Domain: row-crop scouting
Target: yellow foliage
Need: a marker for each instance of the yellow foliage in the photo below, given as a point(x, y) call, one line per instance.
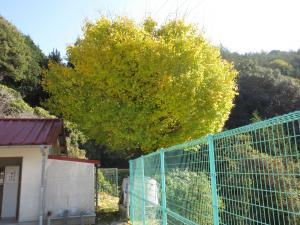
point(142, 86)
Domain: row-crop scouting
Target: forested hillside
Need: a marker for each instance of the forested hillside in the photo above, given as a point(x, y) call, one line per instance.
point(21, 63)
point(12, 105)
point(268, 85)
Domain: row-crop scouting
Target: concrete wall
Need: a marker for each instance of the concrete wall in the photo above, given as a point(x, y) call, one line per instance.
point(30, 179)
point(70, 186)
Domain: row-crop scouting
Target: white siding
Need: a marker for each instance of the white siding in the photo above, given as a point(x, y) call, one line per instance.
point(30, 181)
point(70, 186)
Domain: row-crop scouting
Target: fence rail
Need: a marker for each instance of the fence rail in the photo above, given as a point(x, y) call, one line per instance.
point(245, 176)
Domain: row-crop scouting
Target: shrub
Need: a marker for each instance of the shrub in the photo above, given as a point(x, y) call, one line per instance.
point(256, 185)
point(189, 195)
point(106, 185)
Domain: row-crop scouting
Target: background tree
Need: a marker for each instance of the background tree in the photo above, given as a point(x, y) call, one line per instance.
point(30, 87)
point(264, 88)
point(21, 63)
point(14, 52)
point(55, 56)
point(142, 87)
point(283, 66)
point(107, 158)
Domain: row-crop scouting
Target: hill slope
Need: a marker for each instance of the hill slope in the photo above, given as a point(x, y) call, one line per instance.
point(12, 105)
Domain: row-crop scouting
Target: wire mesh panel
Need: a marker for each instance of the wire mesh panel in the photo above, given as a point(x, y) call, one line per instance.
point(188, 189)
point(137, 200)
point(109, 187)
point(245, 176)
point(172, 186)
point(152, 189)
point(258, 172)
point(110, 180)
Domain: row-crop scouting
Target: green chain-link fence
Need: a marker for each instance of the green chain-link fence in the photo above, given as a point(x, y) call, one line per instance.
point(245, 176)
point(109, 186)
point(110, 180)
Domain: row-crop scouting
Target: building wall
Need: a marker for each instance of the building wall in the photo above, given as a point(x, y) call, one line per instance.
point(30, 179)
point(70, 186)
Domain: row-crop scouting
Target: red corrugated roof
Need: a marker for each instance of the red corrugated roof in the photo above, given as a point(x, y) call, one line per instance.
point(29, 131)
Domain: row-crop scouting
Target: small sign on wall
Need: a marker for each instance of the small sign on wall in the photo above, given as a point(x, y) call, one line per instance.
point(10, 192)
point(11, 175)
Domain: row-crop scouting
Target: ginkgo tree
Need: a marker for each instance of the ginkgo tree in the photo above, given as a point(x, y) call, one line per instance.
point(142, 86)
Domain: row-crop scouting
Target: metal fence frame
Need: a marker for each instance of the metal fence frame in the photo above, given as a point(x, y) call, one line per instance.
point(214, 145)
point(114, 176)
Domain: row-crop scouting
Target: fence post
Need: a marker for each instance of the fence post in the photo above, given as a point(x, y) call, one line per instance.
point(97, 186)
point(213, 179)
point(163, 186)
point(131, 186)
point(117, 182)
point(143, 191)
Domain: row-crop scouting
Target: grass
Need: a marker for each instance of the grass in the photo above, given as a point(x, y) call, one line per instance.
point(108, 203)
point(108, 210)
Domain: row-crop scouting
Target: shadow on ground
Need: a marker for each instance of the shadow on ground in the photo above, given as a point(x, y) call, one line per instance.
point(111, 218)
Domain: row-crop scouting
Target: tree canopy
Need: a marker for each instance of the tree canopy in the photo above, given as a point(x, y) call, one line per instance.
point(142, 87)
point(14, 52)
point(268, 84)
point(21, 62)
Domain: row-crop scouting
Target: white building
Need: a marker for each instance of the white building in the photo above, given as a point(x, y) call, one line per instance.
point(37, 183)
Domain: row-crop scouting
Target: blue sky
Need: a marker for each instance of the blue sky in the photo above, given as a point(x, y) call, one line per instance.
point(240, 25)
